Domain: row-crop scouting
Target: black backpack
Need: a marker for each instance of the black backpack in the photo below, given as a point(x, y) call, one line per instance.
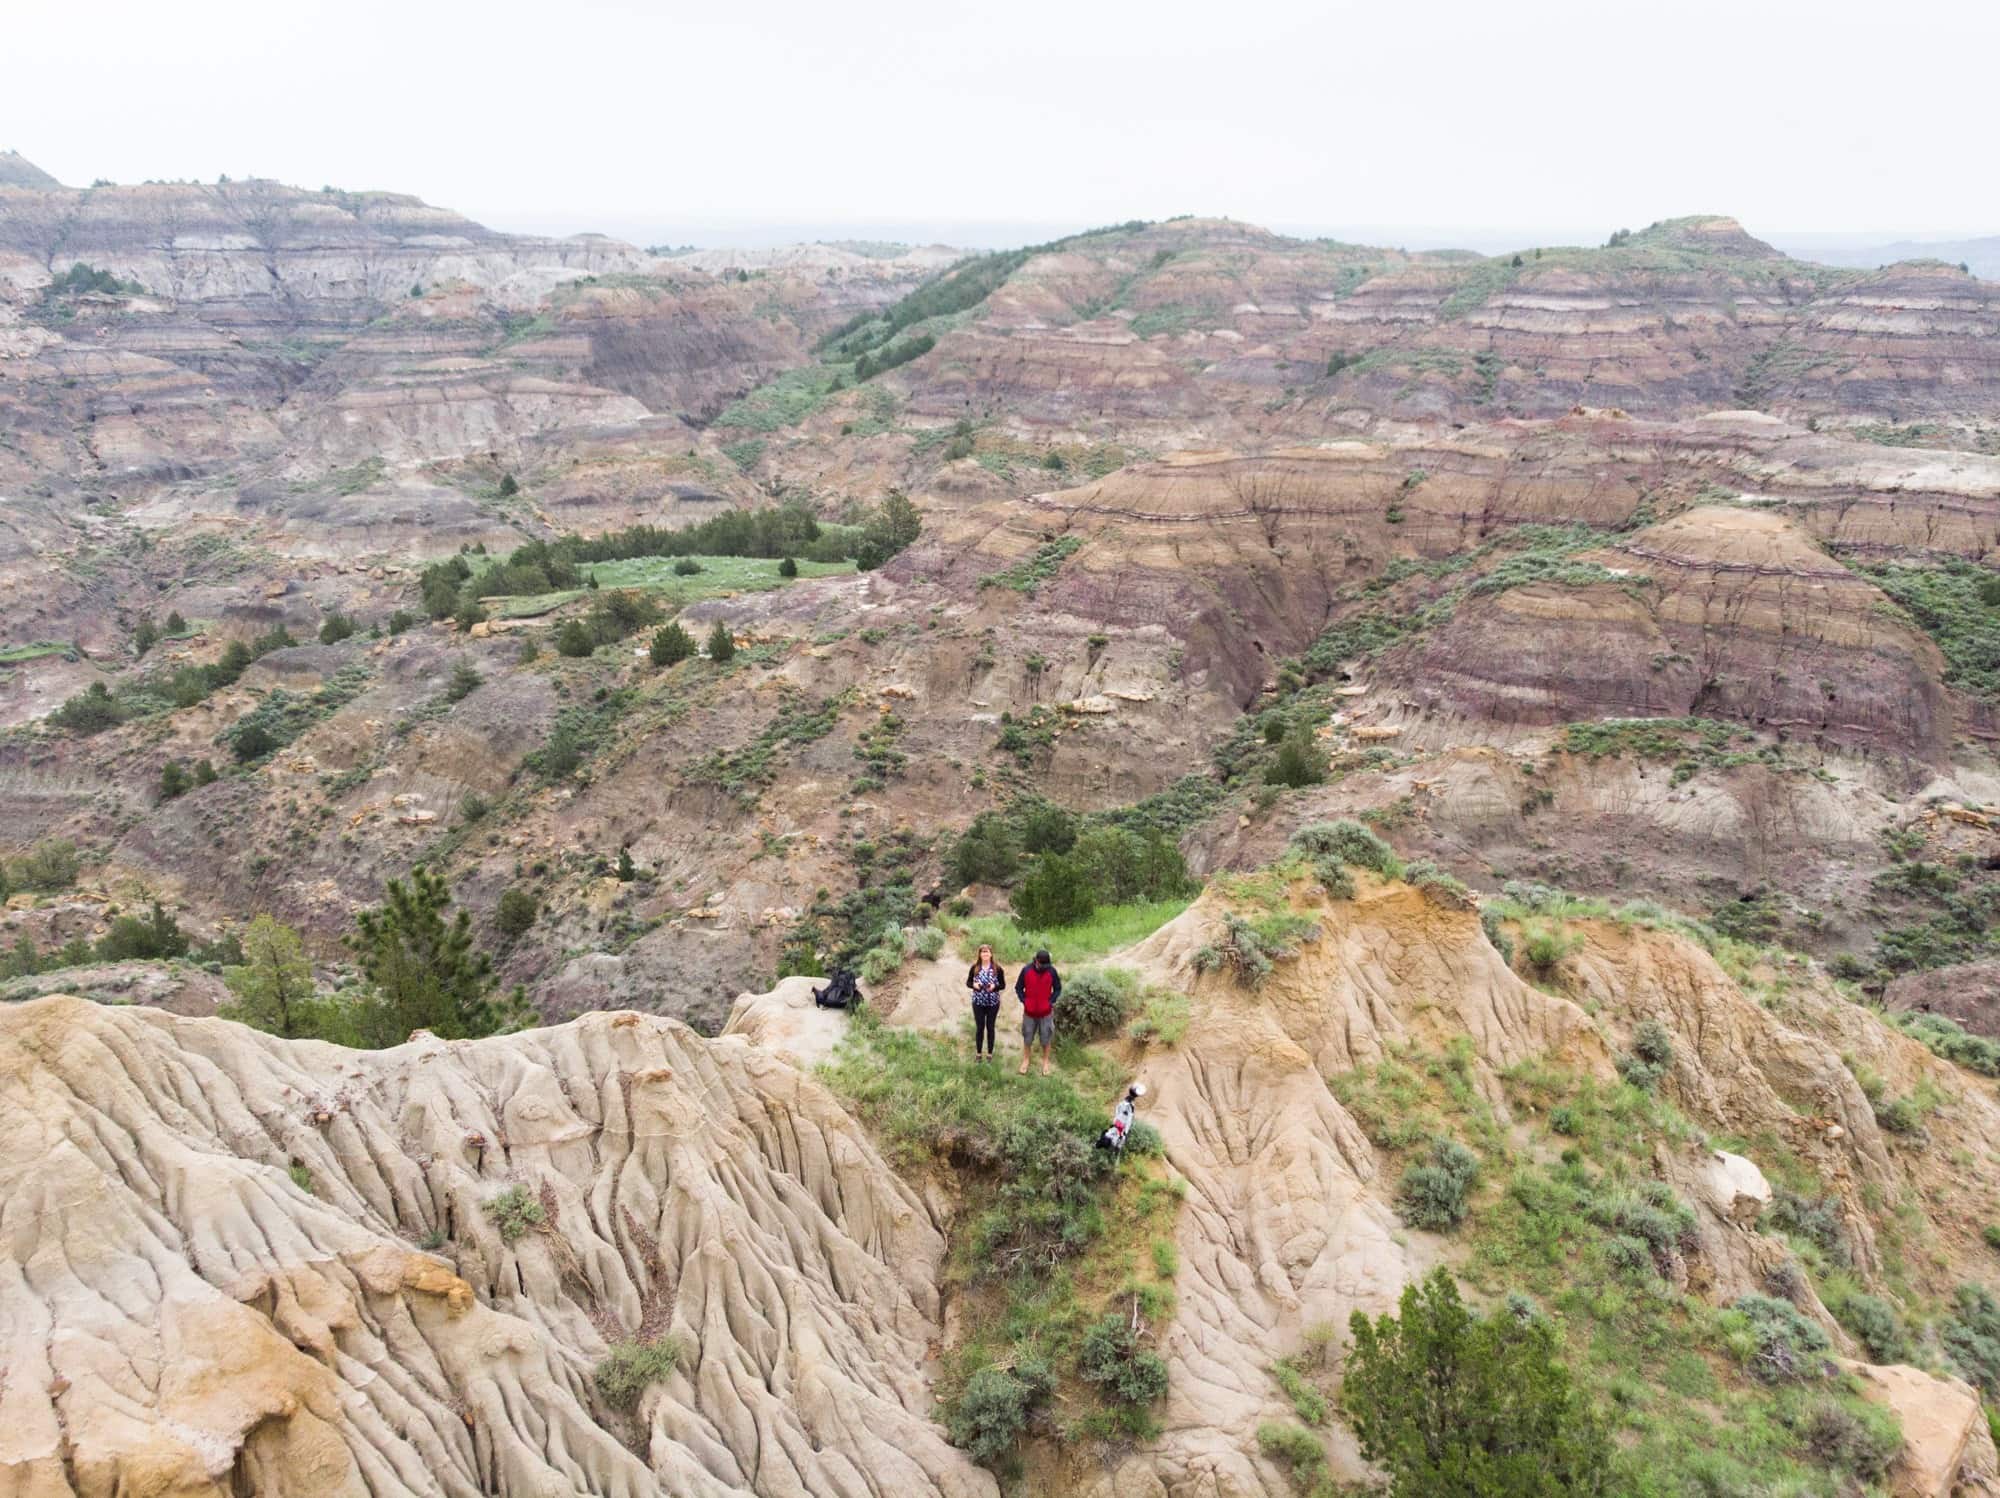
point(840, 993)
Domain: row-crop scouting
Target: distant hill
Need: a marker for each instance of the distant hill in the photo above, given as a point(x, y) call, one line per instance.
point(1980, 255)
point(17, 171)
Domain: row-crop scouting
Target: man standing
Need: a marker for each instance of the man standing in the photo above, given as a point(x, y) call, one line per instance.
point(1038, 986)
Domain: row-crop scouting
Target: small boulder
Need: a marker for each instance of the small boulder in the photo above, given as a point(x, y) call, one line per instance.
point(1735, 1188)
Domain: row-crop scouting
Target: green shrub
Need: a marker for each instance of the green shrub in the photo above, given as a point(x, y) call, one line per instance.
point(630, 1368)
point(1971, 1337)
point(928, 941)
point(1296, 1449)
point(1112, 1357)
point(787, 567)
point(1491, 922)
point(1990, 1235)
point(1652, 1056)
point(721, 644)
point(1433, 1195)
point(1096, 1001)
point(1350, 843)
point(1251, 948)
point(1547, 946)
point(1861, 1440)
point(1333, 879)
point(1949, 1040)
point(671, 645)
point(90, 711)
point(1814, 1219)
point(48, 866)
point(1299, 762)
point(986, 852)
point(1776, 1341)
point(1057, 892)
point(1438, 887)
point(992, 1409)
point(1143, 1139)
point(513, 1212)
point(1875, 1326)
point(131, 937)
point(575, 639)
point(516, 911)
point(686, 567)
point(335, 628)
point(1309, 1402)
point(1435, 1394)
point(463, 683)
point(174, 780)
point(1163, 1019)
point(1899, 1116)
point(879, 964)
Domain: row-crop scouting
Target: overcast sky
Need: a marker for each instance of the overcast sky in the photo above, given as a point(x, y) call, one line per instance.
point(1546, 121)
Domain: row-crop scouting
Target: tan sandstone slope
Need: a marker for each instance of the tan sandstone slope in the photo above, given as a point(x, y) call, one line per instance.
point(212, 1285)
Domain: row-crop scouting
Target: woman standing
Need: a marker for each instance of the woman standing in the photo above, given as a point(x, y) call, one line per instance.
point(986, 980)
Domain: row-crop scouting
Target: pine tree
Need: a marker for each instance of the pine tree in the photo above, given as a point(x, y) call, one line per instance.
point(1454, 1405)
point(627, 870)
point(672, 645)
point(721, 643)
point(424, 970)
point(174, 780)
point(273, 989)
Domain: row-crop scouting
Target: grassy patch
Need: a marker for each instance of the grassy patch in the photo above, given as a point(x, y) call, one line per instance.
point(718, 576)
point(1051, 1242)
point(1958, 605)
point(785, 401)
point(1592, 1240)
point(1109, 928)
point(743, 772)
point(14, 655)
point(1028, 574)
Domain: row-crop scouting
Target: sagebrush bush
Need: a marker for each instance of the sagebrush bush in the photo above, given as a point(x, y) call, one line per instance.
point(513, 1212)
point(1776, 1341)
point(632, 1367)
point(1333, 879)
point(1250, 948)
point(993, 1408)
point(1112, 1357)
point(1439, 887)
point(1862, 1442)
point(1433, 1195)
point(1875, 1326)
point(1491, 922)
point(1815, 1219)
point(1096, 1001)
point(927, 942)
point(1350, 843)
point(1971, 1337)
point(1652, 1056)
point(880, 963)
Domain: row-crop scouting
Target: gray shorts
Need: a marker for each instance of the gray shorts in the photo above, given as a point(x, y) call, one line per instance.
point(1038, 1031)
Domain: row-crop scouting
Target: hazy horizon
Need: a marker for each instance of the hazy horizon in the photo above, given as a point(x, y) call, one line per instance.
point(1515, 126)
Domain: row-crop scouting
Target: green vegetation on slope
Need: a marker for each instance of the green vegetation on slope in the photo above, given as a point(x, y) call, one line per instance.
point(1958, 605)
point(1571, 1230)
point(1064, 1254)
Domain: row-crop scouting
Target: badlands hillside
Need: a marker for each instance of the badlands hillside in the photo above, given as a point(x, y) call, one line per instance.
point(1502, 747)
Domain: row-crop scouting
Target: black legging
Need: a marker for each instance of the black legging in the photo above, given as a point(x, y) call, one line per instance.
point(984, 1017)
